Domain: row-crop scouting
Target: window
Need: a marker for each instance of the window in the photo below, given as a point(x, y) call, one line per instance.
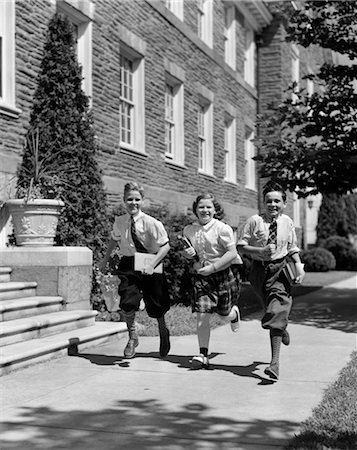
point(230, 150)
point(204, 25)
point(249, 57)
point(295, 70)
point(250, 164)
point(80, 15)
point(174, 129)
point(230, 37)
point(205, 137)
point(131, 110)
point(7, 58)
point(175, 6)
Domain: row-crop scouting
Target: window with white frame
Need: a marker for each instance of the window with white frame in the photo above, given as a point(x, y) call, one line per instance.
point(7, 58)
point(131, 110)
point(230, 36)
point(175, 6)
point(250, 164)
point(250, 57)
point(82, 25)
point(295, 70)
point(205, 19)
point(230, 149)
point(174, 117)
point(205, 137)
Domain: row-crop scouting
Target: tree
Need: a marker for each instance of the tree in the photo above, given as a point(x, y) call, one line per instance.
point(337, 216)
point(309, 143)
point(67, 140)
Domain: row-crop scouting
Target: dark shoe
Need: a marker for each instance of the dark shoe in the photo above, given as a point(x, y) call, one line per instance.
point(129, 350)
point(164, 343)
point(285, 338)
point(272, 371)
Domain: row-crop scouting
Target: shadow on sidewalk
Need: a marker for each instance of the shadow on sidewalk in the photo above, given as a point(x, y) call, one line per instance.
point(327, 308)
point(181, 362)
point(139, 424)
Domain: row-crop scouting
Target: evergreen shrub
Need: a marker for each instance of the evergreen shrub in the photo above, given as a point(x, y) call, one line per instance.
point(318, 260)
point(66, 142)
point(343, 251)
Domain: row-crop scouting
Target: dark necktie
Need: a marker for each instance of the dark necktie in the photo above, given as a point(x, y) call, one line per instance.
point(272, 232)
point(138, 245)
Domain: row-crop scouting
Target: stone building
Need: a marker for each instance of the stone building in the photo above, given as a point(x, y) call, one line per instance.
point(175, 88)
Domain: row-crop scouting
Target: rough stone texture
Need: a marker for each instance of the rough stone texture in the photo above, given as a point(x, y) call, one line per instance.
point(63, 271)
point(165, 38)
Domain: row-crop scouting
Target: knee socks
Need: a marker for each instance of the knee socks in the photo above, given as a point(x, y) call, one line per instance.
point(275, 343)
point(130, 323)
point(162, 325)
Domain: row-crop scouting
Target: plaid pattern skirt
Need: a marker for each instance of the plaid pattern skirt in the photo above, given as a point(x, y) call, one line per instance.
point(216, 293)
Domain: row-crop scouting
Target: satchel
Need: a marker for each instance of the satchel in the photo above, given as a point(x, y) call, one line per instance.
point(290, 271)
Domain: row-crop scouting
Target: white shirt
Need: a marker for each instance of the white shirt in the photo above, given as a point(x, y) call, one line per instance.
point(211, 241)
point(256, 232)
point(150, 231)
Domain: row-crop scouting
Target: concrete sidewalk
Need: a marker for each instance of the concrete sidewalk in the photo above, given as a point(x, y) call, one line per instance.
point(98, 400)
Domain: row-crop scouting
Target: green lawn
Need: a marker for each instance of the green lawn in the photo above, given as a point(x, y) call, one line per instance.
point(333, 423)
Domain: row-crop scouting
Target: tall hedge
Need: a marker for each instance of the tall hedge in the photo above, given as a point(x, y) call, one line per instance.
point(337, 216)
point(61, 113)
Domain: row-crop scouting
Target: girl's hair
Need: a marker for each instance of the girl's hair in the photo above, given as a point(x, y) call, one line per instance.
point(133, 186)
point(208, 196)
point(273, 186)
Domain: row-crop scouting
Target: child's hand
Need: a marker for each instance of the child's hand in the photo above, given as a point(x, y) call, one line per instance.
point(267, 252)
point(189, 252)
point(206, 270)
point(148, 270)
point(300, 273)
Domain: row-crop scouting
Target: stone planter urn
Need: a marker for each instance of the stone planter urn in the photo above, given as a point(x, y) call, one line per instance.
point(35, 221)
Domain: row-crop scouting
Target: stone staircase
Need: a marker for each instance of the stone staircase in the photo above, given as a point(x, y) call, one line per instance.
point(36, 328)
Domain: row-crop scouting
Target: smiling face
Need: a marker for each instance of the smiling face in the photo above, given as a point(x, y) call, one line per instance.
point(274, 204)
point(133, 201)
point(205, 211)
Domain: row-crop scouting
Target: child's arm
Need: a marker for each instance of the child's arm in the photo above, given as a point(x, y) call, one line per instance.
point(160, 255)
point(223, 261)
point(111, 246)
point(258, 253)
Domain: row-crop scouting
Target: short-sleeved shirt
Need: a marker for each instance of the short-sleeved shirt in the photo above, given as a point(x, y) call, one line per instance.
point(256, 232)
point(150, 231)
point(211, 241)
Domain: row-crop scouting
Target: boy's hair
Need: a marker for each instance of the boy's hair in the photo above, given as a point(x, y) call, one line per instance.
point(133, 186)
point(273, 186)
point(208, 196)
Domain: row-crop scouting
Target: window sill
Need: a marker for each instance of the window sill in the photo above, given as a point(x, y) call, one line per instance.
point(232, 183)
point(132, 152)
point(174, 164)
point(206, 174)
point(10, 111)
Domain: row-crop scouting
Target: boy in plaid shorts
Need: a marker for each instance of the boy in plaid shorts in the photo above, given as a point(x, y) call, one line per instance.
point(215, 288)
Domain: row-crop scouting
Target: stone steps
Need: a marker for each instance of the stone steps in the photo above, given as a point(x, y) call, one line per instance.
point(22, 354)
point(17, 289)
point(29, 306)
point(35, 328)
point(44, 325)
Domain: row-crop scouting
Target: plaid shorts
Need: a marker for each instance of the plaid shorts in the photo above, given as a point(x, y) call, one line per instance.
point(216, 293)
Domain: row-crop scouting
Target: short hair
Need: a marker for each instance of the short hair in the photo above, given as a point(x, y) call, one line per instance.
point(273, 186)
point(133, 186)
point(208, 196)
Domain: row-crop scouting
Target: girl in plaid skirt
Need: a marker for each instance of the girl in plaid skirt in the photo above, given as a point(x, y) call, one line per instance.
point(212, 251)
